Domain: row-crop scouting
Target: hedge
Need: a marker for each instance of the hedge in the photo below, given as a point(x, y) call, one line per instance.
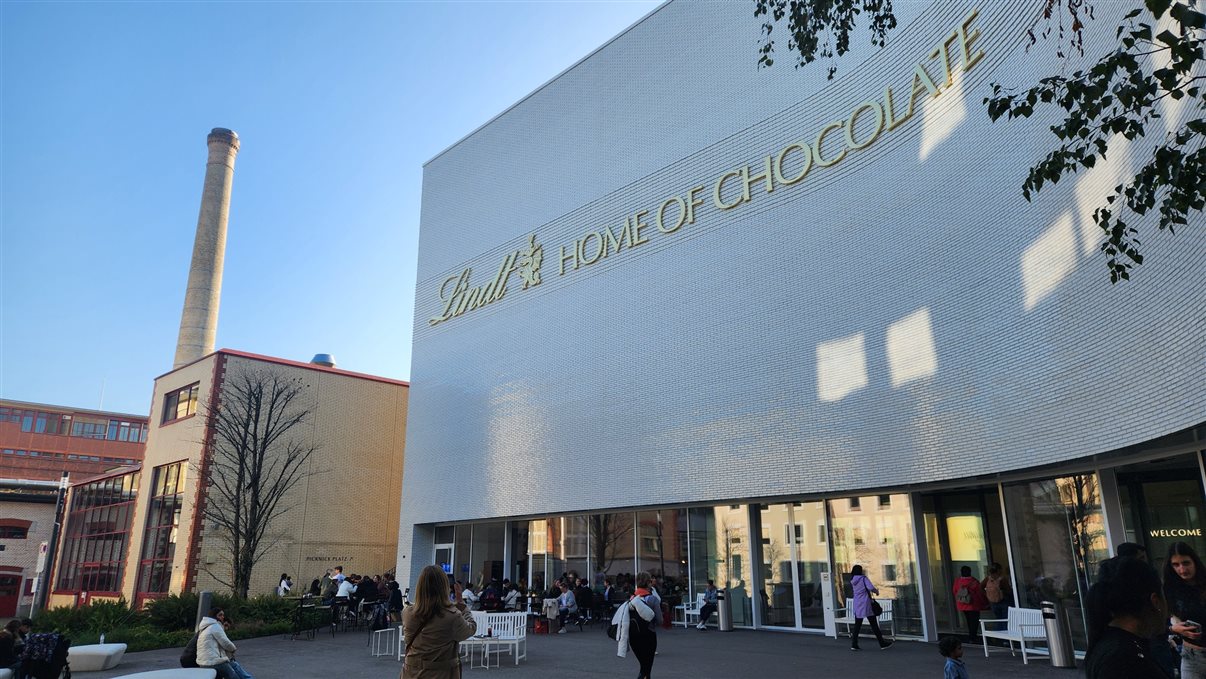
point(164, 623)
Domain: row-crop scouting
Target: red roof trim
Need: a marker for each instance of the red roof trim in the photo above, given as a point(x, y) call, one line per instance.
point(296, 364)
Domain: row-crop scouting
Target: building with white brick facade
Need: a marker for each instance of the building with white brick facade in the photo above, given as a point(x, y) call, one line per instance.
point(681, 314)
point(142, 533)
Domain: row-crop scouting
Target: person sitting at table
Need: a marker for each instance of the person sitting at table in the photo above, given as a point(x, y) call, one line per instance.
point(511, 598)
point(567, 605)
point(585, 598)
point(471, 597)
point(366, 589)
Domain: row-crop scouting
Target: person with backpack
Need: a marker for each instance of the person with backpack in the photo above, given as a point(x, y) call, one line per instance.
point(491, 598)
point(635, 626)
point(970, 600)
point(864, 606)
point(996, 590)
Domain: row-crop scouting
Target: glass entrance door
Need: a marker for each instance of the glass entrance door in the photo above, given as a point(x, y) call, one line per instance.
point(795, 552)
point(963, 529)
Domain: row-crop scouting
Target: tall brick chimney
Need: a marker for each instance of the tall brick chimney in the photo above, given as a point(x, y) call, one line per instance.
point(199, 320)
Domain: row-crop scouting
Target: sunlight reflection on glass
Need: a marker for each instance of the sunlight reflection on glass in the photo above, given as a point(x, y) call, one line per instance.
point(911, 348)
point(841, 367)
point(1048, 260)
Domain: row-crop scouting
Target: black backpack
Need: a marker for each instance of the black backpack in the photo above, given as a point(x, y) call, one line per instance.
point(45, 656)
point(189, 657)
point(380, 617)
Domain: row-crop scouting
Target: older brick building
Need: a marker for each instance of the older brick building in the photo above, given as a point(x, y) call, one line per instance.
point(139, 533)
point(40, 442)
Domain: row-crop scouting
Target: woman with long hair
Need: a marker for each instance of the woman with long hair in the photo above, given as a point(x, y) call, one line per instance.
point(1125, 609)
point(434, 627)
point(1185, 590)
point(861, 607)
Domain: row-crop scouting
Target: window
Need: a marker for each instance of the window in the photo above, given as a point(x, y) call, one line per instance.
point(14, 529)
point(159, 535)
point(821, 533)
point(180, 403)
point(97, 534)
point(885, 501)
point(88, 430)
point(855, 504)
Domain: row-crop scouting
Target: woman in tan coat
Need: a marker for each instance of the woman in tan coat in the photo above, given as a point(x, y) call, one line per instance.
point(434, 627)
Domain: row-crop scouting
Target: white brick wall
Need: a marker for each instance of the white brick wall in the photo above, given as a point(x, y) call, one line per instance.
point(691, 363)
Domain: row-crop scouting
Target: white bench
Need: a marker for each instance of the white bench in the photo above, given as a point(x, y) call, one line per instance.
point(887, 623)
point(1022, 625)
point(182, 673)
point(507, 630)
point(95, 657)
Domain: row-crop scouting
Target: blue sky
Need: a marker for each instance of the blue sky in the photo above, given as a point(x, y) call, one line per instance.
point(104, 109)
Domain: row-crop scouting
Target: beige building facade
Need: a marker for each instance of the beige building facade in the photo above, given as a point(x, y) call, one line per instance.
point(344, 511)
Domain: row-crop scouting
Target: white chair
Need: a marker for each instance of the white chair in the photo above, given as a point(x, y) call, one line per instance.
point(383, 640)
point(1021, 625)
point(690, 610)
point(511, 631)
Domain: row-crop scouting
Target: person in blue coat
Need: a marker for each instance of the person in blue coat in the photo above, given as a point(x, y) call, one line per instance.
point(863, 589)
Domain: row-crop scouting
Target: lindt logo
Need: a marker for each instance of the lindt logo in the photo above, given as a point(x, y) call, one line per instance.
point(458, 294)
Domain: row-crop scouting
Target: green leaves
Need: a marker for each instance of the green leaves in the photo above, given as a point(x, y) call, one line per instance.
point(1118, 96)
point(820, 29)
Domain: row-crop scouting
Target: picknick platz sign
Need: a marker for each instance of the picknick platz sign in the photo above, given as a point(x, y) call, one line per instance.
point(834, 141)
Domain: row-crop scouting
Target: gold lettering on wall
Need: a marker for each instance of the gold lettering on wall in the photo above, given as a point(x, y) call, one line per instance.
point(735, 187)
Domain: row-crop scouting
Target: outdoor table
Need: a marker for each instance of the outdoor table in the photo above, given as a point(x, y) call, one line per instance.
point(486, 644)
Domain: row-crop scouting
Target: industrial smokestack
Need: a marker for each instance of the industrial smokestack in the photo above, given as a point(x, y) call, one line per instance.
point(199, 320)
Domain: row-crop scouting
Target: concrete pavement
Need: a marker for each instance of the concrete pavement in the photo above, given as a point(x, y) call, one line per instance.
point(682, 654)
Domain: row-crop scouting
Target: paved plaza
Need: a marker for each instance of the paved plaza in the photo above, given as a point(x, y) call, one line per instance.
point(683, 654)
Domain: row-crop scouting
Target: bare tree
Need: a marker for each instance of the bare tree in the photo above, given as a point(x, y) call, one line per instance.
point(258, 452)
point(606, 532)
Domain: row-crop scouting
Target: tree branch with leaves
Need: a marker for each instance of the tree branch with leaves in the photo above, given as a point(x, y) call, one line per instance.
point(1114, 98)
point(258, 452)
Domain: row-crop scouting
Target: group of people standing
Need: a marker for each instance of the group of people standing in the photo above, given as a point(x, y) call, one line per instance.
point(1134, 616)
point(973, 596)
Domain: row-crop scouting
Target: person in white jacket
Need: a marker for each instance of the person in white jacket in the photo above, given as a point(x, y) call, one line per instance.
point(635, 634)
point(215, 650)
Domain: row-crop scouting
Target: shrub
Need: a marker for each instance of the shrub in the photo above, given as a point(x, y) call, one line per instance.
point(104, 616)
point(64, 619)
point(173, 612)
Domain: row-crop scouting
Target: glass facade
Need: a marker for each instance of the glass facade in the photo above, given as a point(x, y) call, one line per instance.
point(774, 560)
point(97, 535)
point(159, 535)
point(1058, 538)
point(876, 531)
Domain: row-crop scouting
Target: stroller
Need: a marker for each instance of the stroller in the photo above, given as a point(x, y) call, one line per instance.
point(45, 657)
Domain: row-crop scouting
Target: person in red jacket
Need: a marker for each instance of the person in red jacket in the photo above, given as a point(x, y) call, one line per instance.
point(970, 600)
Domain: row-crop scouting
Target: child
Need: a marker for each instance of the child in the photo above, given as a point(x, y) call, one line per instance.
point(952, 649)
